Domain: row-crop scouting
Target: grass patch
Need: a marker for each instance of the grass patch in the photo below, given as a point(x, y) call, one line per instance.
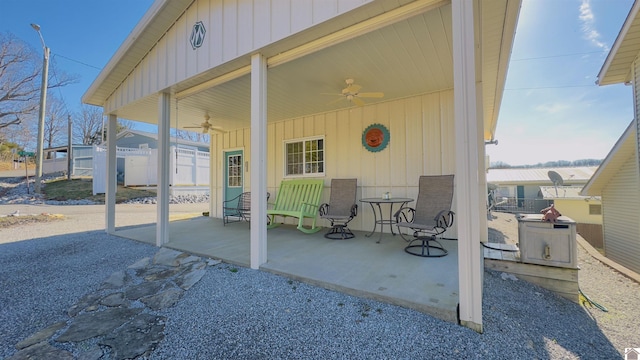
point(78, 189)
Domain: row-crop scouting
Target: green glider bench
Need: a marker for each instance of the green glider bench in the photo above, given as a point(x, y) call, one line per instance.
point(298, 198)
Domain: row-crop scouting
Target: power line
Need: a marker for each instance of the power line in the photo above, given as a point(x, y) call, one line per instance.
point(552, 87)
point(557, 56)
point(78, 61)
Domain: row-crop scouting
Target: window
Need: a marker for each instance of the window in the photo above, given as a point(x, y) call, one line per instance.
point(595, 209)
point(234, 168)
point(304, 157)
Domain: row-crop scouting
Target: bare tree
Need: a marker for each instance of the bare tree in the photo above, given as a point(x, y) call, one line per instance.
point(20, 76)
point(87, 124)
point(124, 124)
point(192, 136)
point(55, 124)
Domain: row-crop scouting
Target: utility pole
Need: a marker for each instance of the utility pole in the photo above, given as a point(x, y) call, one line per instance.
point(70, 148)
point(43, 104)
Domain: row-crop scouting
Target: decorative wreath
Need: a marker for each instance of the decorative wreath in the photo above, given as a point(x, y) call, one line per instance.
point(375, 137)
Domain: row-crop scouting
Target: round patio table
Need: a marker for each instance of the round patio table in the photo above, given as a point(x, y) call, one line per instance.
point(378, 215)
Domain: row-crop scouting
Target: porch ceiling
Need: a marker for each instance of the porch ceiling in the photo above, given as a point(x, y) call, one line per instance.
point(410, 57)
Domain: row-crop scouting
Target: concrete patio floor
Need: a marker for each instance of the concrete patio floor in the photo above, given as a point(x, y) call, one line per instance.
point(358, 266)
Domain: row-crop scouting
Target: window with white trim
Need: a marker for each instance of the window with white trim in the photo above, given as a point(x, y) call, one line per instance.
point(304, 157)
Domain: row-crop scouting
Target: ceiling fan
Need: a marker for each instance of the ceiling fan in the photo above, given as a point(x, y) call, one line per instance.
point(352, 93)
point(206, 126)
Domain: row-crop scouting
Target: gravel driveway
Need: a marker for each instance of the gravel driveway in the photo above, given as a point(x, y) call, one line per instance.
point(248, 314)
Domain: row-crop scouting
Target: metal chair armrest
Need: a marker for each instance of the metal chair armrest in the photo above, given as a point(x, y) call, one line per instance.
point(444, 219)
point(404, 214)
point(324, 209)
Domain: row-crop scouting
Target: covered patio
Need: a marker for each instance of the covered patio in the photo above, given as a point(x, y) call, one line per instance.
point(358, 266)
point(277, 84)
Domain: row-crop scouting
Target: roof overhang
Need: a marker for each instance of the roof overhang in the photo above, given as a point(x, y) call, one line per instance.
point(617, 66)
point(384, 56)
point(617, 157)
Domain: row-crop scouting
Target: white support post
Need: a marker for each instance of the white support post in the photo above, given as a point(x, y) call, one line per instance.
point(258, 172)
point(482, 175)
point(174, 165)
point(466, 130)
point(112, 178)
point(164, 168)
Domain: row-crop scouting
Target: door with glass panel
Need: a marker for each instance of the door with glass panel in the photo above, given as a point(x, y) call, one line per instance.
point(233, 174)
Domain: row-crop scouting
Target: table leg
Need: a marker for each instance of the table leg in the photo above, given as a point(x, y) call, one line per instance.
point(381, 221)
point(375, 220)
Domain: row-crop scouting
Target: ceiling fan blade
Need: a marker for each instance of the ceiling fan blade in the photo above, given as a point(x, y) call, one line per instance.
point(332, 94)
point(353, 88)
point(357, 101)
point(217, 129)
point(192, 127)
point(371, 94)
point(336, 100)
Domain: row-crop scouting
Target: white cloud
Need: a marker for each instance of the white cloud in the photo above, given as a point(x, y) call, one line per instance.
point(552, 108)
point(588, 28)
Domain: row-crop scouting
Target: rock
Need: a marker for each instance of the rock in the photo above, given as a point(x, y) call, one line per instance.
point(140, 264)
point(191, 276)
point(93, 354)
point(115, 281)
point(212, 262)
point(163, 274)
point(41, 335)
point(168, 257)
point(135, 292)
point(138, 337)
point(188, 260)
point(506, 276)
point(42, 351)
point(163, 300)
point(88, 325)
point(113, 300)
point(82, 304)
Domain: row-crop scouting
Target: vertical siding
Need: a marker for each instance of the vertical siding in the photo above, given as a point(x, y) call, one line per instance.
point(417, 125)
point(620, 199)
point(636, 108)
point(235, 28)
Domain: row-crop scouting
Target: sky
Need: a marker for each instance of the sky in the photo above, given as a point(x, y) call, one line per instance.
point(551, 108)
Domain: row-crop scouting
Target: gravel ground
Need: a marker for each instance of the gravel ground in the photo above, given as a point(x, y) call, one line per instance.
point(248, 314)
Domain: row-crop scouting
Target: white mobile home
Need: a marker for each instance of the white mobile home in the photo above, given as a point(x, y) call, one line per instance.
point(295, 86)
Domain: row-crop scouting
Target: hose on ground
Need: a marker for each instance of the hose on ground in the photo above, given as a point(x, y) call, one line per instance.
point(585, 299)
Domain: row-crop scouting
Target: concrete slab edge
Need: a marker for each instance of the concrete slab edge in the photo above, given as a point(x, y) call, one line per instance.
point(605, 260)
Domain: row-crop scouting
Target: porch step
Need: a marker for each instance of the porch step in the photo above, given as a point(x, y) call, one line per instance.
point(496, 251)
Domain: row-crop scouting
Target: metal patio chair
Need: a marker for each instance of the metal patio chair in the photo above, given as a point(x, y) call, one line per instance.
point(431, 216)
point(341, 208)
point(238, 208)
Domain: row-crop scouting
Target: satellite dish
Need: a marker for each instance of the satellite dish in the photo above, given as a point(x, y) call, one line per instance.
point(556, 179)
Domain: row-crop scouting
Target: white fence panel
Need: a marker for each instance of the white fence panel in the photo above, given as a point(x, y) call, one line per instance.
point(191, 167)
point(202, 168)
point(99, 170)
point(140, 167)
point(50, 166)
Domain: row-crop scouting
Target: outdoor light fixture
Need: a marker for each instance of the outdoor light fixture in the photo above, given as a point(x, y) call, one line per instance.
point(492, 142)
point(43, 103)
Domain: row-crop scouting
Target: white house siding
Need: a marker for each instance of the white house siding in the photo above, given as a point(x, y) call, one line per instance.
point(234, 28)
point(620, 199)
point(418, 126)
point(636, 101)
